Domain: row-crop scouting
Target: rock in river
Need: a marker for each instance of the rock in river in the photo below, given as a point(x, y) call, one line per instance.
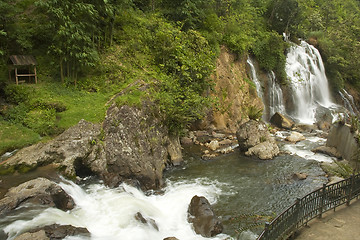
point(39, 191)
point(204, 221)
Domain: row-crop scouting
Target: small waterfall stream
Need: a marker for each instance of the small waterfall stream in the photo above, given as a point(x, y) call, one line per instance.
point(254, 78)
point(276, 101)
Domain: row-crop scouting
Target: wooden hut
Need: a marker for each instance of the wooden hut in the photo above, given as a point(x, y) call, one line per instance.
point(27, 65)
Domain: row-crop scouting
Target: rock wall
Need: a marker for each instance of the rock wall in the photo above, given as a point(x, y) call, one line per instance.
point(234, 91)
point(341, 137)
point(137, 146)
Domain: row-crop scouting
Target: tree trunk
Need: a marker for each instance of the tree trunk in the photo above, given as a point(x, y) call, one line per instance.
point(61, 70)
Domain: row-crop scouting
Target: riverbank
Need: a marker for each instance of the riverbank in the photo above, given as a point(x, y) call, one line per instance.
point(341, 224)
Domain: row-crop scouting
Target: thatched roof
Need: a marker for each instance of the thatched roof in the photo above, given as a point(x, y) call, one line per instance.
point(22, 60)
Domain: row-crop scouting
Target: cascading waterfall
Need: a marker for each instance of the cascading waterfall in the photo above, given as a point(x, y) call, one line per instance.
point(273, 94)
point(276, 102)
point(255, 78)
point(306, 72)
point(349, 103)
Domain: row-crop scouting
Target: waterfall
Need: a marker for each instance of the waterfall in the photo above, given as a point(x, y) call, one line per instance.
point(254, 78)
point(306, 72)
point(348, 102)
point(276, 103)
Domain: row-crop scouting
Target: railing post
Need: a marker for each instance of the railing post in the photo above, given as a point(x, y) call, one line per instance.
point(266, 232)
point(297, 216)
point(349, 196)
point(322, 200)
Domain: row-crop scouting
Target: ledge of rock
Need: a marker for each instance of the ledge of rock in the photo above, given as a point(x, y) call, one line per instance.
point(38, 191)
point(331, 151)
point(54, 232)
point(204, 221)
point(73, 150)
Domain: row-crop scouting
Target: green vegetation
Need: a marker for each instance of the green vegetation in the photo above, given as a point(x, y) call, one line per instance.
point(15, 136)
point(162, 50)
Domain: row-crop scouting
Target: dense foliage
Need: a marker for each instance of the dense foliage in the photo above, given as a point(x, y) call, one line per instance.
point(166, 47)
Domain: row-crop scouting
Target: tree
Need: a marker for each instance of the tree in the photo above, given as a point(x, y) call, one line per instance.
point(73, 26)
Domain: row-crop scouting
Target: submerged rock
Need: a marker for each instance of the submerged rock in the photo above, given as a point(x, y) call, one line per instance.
point(204, 220)
point(38, 191)
point(295, 137)
point(139, 217)
point(299, 176)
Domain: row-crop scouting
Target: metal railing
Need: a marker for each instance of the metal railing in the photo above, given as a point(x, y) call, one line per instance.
point(311, 206)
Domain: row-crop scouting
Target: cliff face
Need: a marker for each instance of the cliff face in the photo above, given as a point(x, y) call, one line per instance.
point(341, 137)
point(234, 91)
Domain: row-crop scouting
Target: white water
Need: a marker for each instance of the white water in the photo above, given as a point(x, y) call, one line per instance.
point(306, 72)
point(303, 148)
point(254, 78)
point(349, 103)
point(109, 213)
point(276, 102)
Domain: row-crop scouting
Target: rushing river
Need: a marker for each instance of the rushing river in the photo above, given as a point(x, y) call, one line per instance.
point(244, 192)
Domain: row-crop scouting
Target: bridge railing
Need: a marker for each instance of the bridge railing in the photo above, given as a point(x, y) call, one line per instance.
point(311, 206)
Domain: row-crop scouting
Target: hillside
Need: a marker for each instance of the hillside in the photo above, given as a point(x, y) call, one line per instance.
point(187, 56)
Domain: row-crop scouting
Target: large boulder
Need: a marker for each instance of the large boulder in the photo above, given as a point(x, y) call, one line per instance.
point(204, 220)
point(251, 134)
point(265, 150)
point(279, 120)
point(137, 146)
point(38, 191)
point(254, 139)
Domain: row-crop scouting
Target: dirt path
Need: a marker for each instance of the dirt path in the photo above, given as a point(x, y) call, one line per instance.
point(343, 224)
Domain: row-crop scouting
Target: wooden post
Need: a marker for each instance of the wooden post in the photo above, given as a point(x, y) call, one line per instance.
point(16, 76)
point(9, 73)
point(35, 74)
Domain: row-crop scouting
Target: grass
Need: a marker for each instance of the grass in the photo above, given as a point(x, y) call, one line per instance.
point(78, 104)
point(13, 136)
point(89, 106)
